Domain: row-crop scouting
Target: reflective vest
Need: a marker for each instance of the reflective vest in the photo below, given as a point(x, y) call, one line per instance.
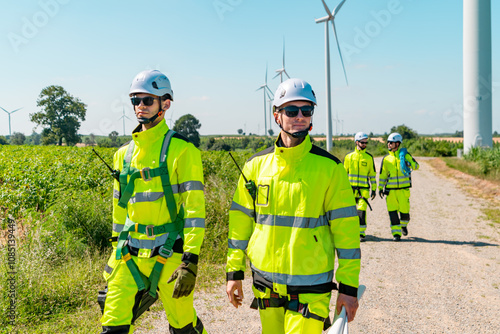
point(360, 169)
point(147, 204)
point(391, 176)
point(305, 212)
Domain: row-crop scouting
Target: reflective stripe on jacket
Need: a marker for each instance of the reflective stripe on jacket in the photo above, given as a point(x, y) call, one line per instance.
point(360, 169)
point(305, 212)
point(147, 205)
point(391, 175)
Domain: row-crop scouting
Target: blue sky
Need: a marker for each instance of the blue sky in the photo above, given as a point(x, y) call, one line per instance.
point(403, 60)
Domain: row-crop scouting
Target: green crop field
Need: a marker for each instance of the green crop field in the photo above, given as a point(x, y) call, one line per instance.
point(58, 200)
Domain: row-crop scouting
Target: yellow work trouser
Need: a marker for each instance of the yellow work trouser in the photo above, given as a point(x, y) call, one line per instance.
point(398, 200)
point(278, 320)
point(361, 206)
point(122, 291)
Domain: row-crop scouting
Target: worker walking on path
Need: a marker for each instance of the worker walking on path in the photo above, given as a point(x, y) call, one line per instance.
point(395, 183)
point(298, 211)
point(360, 168)
point(158, 217)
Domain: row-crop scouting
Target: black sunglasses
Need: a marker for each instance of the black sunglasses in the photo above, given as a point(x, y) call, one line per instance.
point(293, 111)
point(148, 100)
point(363, 142)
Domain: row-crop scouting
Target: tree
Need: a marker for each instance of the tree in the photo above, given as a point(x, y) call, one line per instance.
point(61, 115)
point(3, 141)
point(188, 126)
point(240, 131)
point(35, 138)
point(271, 132)
point(17, 138)
point(405, 131)
point(113, 136)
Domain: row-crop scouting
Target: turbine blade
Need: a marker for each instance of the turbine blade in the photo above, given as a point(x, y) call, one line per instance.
point(16, 110)
point(340, 53)
point(4, 110)
point(283, 52)
point(266, 75)
point(336, 10)
point(284, 71)
point(270, 91)
point(128, 118)
point(326, 8)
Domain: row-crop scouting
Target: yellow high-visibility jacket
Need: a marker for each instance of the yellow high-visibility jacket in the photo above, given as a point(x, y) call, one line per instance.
point(391, 176)
point(147, 205)
point(360, 169)
point(305, 211)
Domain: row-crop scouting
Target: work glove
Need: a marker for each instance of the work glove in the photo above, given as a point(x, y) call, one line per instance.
point(381, 193)
point(186, 279)
point(374, 193)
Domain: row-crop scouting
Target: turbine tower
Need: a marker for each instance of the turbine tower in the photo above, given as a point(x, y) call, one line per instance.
point(326, 19)
point(282, 69)
point(10, 112)
point(477, 90)
point(124, 116)
point(266, 90)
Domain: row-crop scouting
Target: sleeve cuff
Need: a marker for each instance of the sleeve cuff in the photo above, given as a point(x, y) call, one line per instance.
point(190, 257)
point(348, 290)
point(235, 275)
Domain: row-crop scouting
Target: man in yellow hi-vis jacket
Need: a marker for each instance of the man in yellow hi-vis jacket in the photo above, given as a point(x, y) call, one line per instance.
point(360, 169)
point(395, 183)
point(302, 214)
point(158, 217)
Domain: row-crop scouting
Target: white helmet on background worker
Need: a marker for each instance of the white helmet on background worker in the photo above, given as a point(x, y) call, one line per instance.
point(360, 136)
point(395, 138)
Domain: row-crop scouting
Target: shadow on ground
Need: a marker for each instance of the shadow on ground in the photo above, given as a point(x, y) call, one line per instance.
point(372, 238)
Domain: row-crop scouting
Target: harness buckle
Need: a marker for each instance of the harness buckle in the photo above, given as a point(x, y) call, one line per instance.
point(146, 174)
point(165, 252)
point(150, 232)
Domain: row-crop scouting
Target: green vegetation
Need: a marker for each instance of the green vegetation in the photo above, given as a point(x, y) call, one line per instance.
point(59, 199)
point(60, 116)
point(479, 162)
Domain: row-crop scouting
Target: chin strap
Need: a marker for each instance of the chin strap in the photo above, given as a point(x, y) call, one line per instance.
point(298, 134)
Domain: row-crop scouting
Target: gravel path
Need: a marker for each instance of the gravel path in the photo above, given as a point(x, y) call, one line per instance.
point(443, 278)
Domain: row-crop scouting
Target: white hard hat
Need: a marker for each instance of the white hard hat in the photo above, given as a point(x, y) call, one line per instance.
point(395, 137)
point(293, 90)
point(151, 82)
point(360, 135)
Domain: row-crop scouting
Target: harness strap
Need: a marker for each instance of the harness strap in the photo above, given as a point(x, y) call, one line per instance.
point(141, 281)
point(361, 197)
point(293, 304)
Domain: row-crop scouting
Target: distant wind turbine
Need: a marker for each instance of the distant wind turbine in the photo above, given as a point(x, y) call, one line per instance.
point(124, 116)
point(282, 69)
point(326, 19)
point(266, 90)
point(10, 112)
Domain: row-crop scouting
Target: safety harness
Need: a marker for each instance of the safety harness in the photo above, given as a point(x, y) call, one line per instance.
point(293, 304)
point(359, 197)
point(174, 228)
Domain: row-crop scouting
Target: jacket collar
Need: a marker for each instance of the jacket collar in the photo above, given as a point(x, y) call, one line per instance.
point(359, 151)
point(157, 132)
point(293, 153)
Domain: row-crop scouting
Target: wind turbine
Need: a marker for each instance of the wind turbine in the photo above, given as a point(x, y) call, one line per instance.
point(10, 112)
point(326, 19)
point(124, 116)
point(282, 69)
point(266, 90)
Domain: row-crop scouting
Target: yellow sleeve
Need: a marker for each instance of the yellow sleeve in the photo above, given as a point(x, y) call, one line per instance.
point(344, 225)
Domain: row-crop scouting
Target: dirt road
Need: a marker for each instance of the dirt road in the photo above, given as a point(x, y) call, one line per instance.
point(443, 278)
